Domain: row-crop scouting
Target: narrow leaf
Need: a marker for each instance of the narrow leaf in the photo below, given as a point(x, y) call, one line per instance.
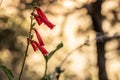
point(52, 52)
point(60, 45)
point(7, 72)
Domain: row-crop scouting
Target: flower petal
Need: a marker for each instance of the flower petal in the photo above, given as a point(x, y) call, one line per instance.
point(48, 23)
point(40, 13)
point(39, 21)
point(42, 49)
point(33, 44)
point(44, 18)
point(39, 37)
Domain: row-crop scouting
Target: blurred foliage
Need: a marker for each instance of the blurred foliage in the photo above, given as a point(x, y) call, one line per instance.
point(7, 72)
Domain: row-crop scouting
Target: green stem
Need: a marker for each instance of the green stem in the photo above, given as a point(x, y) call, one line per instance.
point(46, 62)
point(24, 60)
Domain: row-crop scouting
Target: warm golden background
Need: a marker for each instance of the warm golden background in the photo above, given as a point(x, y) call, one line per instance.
point(73, 27)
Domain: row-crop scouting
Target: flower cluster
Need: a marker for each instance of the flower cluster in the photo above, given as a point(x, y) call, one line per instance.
point(40, 17)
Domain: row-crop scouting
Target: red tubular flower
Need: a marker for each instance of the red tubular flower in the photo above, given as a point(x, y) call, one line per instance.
point(36, 45)
point(48, 23)
point(42, 49)
point(39, 21)
point(39, 38)
point(33, 44)
point(40, 13)
point(43, 18)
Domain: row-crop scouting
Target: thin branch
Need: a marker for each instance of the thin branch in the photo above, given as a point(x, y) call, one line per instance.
point(70, 54)
point(46, 65)
point(99, 37)
point(26, 52)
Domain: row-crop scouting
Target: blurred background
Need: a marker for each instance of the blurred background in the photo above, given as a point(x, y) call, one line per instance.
point(89, 30)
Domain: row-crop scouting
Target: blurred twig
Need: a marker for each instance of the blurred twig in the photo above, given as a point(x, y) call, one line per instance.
point(99, 37)
point(85, 43)
point(26, 51)
point(58, 69)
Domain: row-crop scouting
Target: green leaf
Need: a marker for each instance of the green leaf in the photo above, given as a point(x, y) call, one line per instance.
point(52, 52)
point(47, 77)
point(7, 72)
point(60, 45)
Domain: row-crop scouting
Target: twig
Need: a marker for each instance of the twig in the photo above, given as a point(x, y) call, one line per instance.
point(71, 53)
point(98, 38)
point(26, 52)
point(45, 68)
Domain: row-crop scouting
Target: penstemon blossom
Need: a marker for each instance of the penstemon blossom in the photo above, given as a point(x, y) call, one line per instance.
point(37, 46)
point(41, 18)
point(41, 48)
point(33, 44)
point(40, 12)
point(39, 37)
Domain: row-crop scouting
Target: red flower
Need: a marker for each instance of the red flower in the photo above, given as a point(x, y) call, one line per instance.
point(39, 21)
point(33, 44)
point(36, 45)
point(39, 37)
point(42, 49)
point(48, 23)
point(41, 18)
point(40, 12)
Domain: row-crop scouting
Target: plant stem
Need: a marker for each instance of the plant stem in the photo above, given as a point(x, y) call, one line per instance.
point(25, 56)
point(45, 67)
